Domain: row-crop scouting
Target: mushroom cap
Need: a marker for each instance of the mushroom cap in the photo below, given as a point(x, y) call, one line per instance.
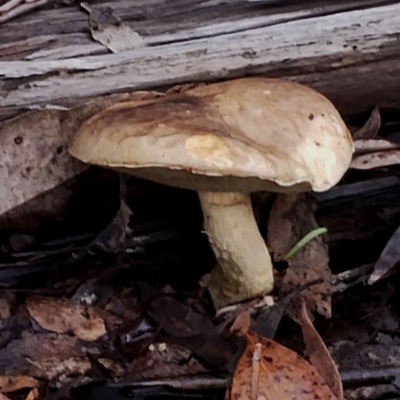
point(247, 134)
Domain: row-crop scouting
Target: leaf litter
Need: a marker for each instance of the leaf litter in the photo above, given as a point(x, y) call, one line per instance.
point(267, 370)
point(113, 318)
point(371, 150)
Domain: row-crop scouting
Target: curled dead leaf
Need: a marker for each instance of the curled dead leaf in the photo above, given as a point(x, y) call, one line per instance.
point(371, 128)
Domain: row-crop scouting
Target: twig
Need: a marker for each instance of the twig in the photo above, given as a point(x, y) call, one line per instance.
point(369, 376)
point(129, 243)
point(136, 229)
point(352, 277)
point(69, 240)
point(351, 378)
point(196, 382)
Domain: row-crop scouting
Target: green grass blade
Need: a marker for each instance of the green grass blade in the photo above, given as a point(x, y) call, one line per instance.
point(302, 242)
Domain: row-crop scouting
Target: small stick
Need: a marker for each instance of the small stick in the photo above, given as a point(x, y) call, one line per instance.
point(351, 378)
point(340, 282)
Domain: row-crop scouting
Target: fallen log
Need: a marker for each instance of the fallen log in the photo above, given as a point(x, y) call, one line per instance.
point(56, 59)
point(351, 55)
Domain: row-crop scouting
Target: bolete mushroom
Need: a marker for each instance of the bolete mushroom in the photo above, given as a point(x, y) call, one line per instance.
point(226, 140)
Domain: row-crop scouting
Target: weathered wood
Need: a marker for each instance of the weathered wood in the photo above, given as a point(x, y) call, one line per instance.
point(349, 52)
point(48, 60)
point(34, 158)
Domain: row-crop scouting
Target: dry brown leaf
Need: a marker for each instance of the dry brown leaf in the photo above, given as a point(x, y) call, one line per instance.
point(319, 355)
point(242, 323)
point(371, 127)
point(177, 319)
point(9, 384)
point(388, 259)
point(291, 218)
point(53, 357)
point(64, 316)
point(33, 152)
point(49, 356)
point(267, 370)
point(33, 394)
point(32, 353)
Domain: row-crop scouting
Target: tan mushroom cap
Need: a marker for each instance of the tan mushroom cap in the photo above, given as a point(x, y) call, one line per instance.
point(243, 135)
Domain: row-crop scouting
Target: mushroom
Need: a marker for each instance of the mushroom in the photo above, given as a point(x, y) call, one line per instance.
point(226, 140)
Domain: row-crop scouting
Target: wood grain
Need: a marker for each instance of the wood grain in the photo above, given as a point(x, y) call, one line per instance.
point(349, 52)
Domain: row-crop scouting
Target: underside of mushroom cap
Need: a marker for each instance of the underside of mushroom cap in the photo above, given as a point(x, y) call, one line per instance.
point(242, 135)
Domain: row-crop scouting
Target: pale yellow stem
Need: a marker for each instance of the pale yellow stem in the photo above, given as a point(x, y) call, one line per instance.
point(244, 269)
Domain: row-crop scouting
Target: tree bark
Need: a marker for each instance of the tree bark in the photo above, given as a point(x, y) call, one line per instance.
point(350, 52)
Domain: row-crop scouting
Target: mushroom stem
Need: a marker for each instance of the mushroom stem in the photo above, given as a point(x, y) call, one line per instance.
point(244, 269)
